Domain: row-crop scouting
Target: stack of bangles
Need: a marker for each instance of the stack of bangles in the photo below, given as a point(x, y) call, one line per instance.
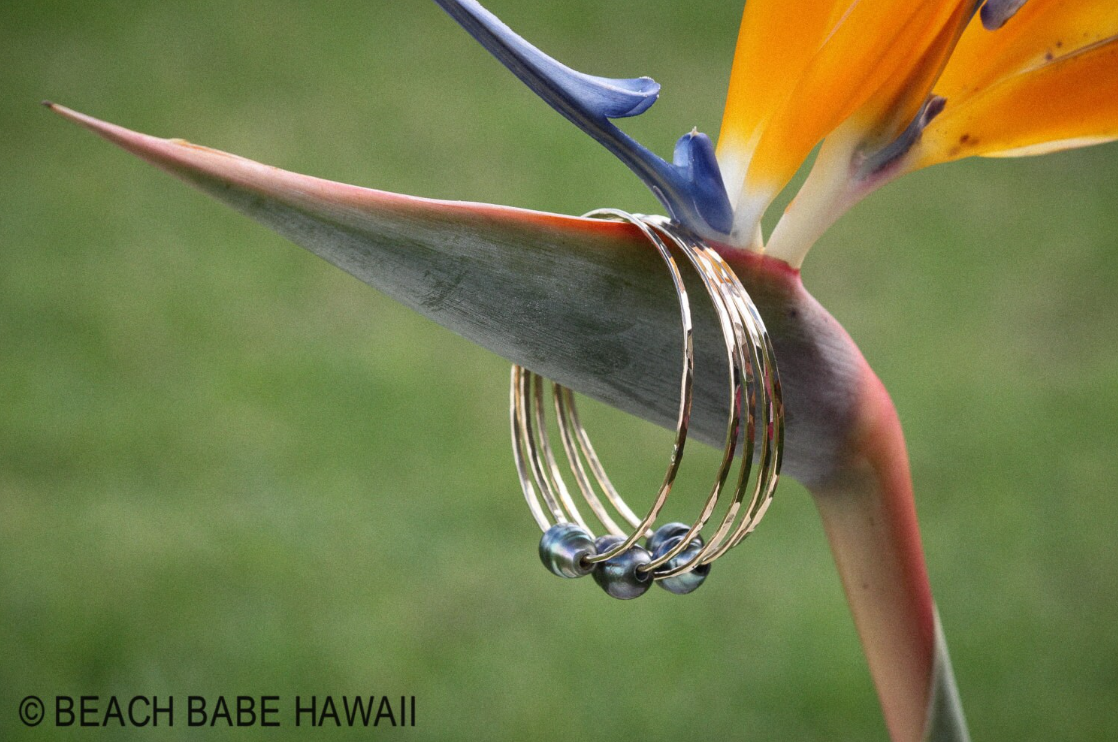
point(675, 555)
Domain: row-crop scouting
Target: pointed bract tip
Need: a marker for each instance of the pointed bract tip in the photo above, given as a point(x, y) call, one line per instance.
point(112, 132)
point(78, 118)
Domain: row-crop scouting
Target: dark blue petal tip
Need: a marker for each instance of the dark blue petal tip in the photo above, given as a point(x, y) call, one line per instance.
point(895, 150)
point(694, 159)
point(614, 98)
point(995, 13)
point(691, 189)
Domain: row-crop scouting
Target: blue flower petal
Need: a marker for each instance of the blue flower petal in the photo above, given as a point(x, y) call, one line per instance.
point(892, 152)
point(628, 97)
point(551, 80)
point(995, 13)
point(695, 160)
point(691, 189)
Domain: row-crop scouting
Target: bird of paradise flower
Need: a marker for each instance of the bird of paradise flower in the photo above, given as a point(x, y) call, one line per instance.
point(888, 88)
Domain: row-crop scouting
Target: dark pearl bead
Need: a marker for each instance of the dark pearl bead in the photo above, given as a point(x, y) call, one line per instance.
point(621, 576)
point(564, 549)
point(688, 581)
point(602, 544)
point(665, 532)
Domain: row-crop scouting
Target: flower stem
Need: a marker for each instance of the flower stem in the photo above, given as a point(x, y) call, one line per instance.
point(869, 516)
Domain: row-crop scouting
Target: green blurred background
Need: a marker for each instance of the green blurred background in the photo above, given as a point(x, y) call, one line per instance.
point(228, 468)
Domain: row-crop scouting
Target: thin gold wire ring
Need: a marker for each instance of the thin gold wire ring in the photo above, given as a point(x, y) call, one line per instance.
point(679, 559)
point(521, 419)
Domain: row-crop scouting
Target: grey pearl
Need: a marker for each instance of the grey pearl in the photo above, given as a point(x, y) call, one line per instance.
point(564, 548)
point(687, 582)
point(620, 576)
point(665, 532)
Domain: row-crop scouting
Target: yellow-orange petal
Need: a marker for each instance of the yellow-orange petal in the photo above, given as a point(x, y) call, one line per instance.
point(1041, 31)
point(773, 48)
point(899, 97)
point(1071, 101)
point(831, 188)
point(880, 60)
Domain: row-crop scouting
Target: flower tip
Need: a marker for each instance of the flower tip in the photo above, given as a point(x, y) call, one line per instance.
point(995, 13)
point(627, 97)
point(893, 152)
point(573, 93)
point(932, 108)
point(695, 160)
point(691, 189)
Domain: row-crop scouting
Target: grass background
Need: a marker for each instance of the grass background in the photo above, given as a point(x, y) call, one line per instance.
point(228, 468)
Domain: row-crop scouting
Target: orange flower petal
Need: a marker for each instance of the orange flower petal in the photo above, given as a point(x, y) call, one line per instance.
point(877, 66)
point(1071, 101)
point(879, 42)
point(832, 188)
point(1040, 32)
point(899, 98)
point(774, 47)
